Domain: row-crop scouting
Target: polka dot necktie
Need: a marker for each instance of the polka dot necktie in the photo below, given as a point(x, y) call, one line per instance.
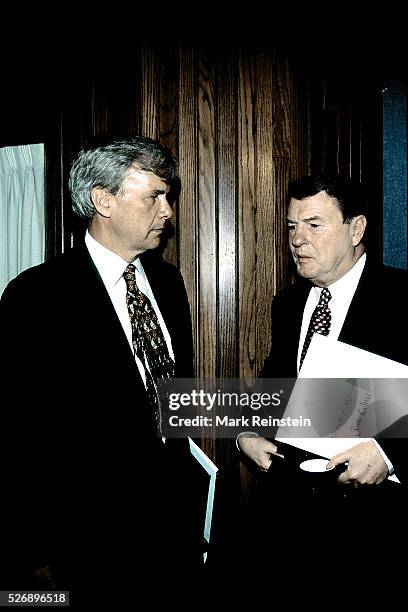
point(148, 341)
point(319, 322)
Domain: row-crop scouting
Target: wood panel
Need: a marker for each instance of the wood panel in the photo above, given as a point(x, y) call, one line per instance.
point(300, 122)
point(280, 92)
point(207, 225)
point(271, 138)
point(167, 59)
point(246, 215)
point(284, 276)
point(227, 226)
point(227, 221)
point(207, 212)
point(149, 91)
point(188, 209)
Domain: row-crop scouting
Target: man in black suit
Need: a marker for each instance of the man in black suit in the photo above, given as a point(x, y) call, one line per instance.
point(96, 491)
point(327, 219)
point(326, 222)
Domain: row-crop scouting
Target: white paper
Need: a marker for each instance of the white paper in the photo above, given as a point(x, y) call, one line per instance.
point(367, 402)
point(211, 470)
point(328, 358)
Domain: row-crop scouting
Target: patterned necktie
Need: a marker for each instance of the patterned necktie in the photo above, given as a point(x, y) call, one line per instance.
point(319, 322)
point(147, 339)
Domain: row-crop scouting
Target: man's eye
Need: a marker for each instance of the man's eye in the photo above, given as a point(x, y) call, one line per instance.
point(314, 225)
point(291, 227)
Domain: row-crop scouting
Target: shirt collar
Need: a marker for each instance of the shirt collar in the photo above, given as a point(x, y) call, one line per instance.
point(347, 284)
point(109, 265)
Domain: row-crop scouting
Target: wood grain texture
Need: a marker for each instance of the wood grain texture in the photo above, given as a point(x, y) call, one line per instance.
point(167, 59)
point(187, 206)
point(300, 120)
point(227, 224)
point(281, 96)
point(207, 214)
point(267, 140)
point(227, 353)
point(148, 91)
point(284, 277)
point(246, 215)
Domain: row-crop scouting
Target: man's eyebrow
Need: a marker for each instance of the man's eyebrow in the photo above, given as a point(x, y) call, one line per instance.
point(307, 220)
point(155, 192)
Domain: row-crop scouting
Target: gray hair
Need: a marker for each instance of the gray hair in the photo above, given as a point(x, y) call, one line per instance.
point(106, 164)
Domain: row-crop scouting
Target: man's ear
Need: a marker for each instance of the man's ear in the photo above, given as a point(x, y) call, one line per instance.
point(359, 225)
point(102, 200)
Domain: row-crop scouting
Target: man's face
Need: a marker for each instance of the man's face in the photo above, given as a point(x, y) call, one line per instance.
point(322, 245)
point(139, 213)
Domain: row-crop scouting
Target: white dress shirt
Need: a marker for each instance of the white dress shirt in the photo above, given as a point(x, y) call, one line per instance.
point(111, 268)
point(342, 292)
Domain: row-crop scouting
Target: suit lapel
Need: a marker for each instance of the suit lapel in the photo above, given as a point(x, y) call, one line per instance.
point(90, 290)
point(296, 318)
point(355, 329)
point(287, 314)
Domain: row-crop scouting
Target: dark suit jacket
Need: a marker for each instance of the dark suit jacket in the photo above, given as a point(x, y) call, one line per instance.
point(376, 321)
point(91, 481)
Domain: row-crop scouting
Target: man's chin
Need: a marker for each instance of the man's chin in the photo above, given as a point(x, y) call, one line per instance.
point(153, 243)
point(304, 270)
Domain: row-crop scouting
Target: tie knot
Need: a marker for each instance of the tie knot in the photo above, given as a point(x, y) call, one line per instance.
point(325, 295)
point(129, 273)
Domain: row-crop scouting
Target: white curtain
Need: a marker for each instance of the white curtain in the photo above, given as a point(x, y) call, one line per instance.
point(22, 228)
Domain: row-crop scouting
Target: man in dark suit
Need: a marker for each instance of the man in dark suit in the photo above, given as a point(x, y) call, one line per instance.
point(327, 221)
point(95, 491)
point(367, 305)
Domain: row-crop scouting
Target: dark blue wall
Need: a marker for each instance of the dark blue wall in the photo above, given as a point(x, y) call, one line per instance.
point(395, 175)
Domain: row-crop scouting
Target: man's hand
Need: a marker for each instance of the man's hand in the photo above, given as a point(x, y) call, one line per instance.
point(365, 464)
point(259, 450)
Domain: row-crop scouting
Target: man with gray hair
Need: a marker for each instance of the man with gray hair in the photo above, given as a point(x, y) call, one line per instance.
point(86, 337)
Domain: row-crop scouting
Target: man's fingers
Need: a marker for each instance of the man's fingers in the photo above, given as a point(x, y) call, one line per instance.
point(269, 459)
point(337, 459)
point(261, 451)
point(265, 465)
point(270, 447)
point(345, 477)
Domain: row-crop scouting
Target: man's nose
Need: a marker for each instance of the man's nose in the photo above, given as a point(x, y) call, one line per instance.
point(298, 236)
point(165, 208)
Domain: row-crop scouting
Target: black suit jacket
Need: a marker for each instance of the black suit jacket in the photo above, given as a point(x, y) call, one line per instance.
point(92, 481)
point(376, 321)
